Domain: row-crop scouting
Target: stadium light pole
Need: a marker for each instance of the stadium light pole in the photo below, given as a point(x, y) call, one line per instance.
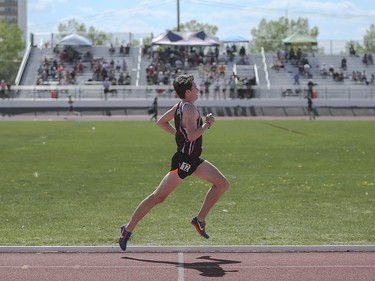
point(178, 15)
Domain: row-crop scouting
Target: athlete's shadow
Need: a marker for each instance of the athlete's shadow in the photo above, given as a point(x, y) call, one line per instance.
point(211, 267)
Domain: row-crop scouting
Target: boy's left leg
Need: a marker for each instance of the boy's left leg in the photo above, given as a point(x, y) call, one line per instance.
point(220, 184)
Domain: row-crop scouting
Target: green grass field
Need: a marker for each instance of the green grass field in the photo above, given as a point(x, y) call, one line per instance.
point(292, 183)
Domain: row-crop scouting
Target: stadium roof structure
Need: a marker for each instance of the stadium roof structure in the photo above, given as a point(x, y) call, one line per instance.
point(186, 38)
point(75, 40)
point(300, 38)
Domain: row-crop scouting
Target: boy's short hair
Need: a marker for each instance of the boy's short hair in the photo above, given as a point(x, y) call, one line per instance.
point(183, 83)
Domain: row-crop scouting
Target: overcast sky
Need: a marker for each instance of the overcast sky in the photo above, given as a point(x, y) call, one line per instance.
point(336, 19)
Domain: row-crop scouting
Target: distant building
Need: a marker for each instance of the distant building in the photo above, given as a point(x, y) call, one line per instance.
point(15, 11)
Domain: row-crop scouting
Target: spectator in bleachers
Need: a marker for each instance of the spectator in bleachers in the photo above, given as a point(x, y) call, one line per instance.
point(122, 50)
point(331, 69)
point(121, 79)
point(127, 49)
point(207, 85)
point(201, 88)
point(296, 79)
point(230, 53)
point(216, 86)
point(310, 88)
point(2, 89)
point(80, 67)
point(224, 86)
point(233, 87)
point(338, 75)
point(222, 70)
point(112, 49)
point(124, 65)
point(276, 64)
point(324, 70)
point(364, 77)
point(216, 53)
point(364, 59)
point(87, 56)
point(369, 59)
point(343, 63)
point(234, 49)
point(106, 86)
point(292, 55)
point(352, 51)
point(201, 70)
point(242, 51)
point(299, 54)
point(127, 79)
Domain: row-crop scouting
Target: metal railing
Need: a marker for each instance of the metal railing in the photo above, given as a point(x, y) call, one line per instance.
point(96, 92)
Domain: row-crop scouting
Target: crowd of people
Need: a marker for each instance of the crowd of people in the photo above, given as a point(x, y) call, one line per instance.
point(213, 77)
point(66, 64)
point(302, 67)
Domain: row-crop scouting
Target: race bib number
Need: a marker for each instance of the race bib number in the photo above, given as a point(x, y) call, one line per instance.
point(185, 167)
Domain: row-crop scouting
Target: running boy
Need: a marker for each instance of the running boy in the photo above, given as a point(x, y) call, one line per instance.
point(188, 130)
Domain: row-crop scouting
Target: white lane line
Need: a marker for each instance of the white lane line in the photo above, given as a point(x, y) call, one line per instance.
point(181, 268)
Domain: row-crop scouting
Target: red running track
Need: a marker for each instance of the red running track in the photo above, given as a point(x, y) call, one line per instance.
point(332, 266)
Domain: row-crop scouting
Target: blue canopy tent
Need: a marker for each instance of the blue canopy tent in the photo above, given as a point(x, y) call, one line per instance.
point(172, 38)
point(235, 39)
point(300, 38)
point(75, 40)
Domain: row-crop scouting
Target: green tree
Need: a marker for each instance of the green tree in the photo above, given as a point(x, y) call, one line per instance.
point(11, 46)
point(195, 26)
point(73, 26)
point(270, 34)
point(369, 39)
point(359, 49)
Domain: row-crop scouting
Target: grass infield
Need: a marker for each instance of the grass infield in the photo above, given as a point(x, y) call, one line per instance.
point(292, 183)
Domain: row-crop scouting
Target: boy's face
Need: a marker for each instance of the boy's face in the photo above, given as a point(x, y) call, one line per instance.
point(192, 94)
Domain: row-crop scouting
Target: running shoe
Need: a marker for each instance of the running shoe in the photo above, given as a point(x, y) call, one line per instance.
point(124, 238)
point(200, 226)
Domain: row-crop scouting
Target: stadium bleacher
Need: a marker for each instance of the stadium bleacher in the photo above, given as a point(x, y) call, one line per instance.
point(270, 83)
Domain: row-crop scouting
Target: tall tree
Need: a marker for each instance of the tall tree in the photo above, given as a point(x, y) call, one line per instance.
point(73, 26)
point(369, 39)
point(11, 45)
point(269, 35)
point(195, 26)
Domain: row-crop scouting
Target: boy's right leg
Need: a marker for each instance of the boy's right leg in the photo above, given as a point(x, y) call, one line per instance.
point(166, 187)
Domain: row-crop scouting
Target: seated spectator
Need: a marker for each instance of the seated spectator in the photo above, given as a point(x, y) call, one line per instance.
point(121, 79)
point(276, 64)
point(364, 59)
point(324, 70)
point(369, 59)
point(338, 75)
point(331, 70)
point(127, 79)
point(112, 49)
point(352, 51)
